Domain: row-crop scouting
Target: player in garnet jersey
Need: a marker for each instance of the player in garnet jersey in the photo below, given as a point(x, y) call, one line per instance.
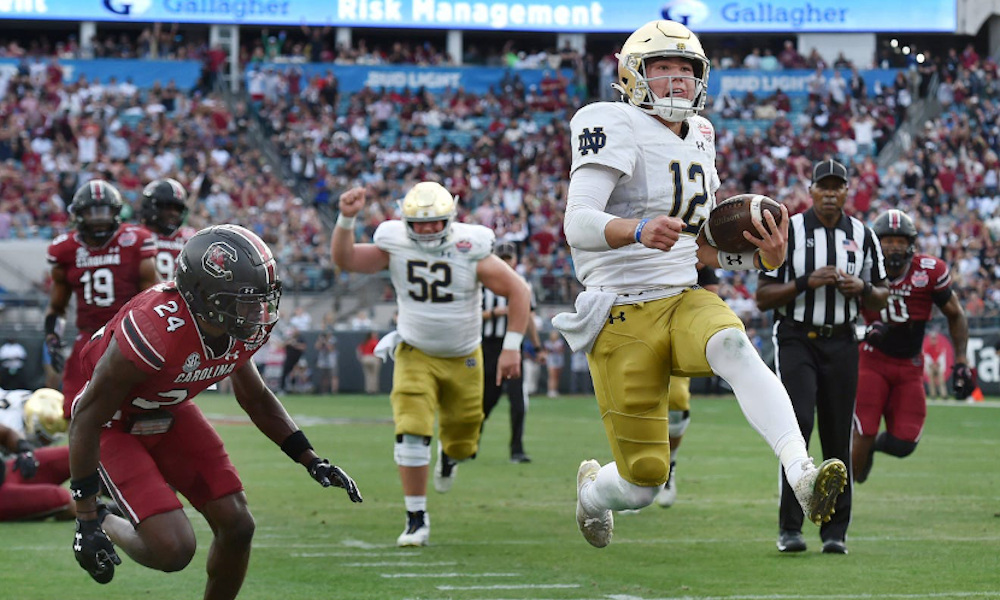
point(164, 208)
point(890, 370)
point(136, 428)
point(104, 263)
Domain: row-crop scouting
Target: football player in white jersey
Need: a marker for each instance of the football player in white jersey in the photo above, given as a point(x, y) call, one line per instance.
point(31, 471)
point(436, 267)
point(642, 183)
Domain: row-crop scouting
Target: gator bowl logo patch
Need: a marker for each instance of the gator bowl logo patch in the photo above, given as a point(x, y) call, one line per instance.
point(463, 245)
point(920, 279)
point(129, 238)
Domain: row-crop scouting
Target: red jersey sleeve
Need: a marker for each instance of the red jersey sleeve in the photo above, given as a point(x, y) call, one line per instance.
point(59, 251)
point(147, 247)
point(940, 275)
point(138, 339)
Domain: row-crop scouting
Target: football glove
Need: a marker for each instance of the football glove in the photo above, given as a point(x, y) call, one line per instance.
point(25, 461)
point(327, 475)
point(875, 332)
point(94, 551)
point(54, 345)
point(963, 380)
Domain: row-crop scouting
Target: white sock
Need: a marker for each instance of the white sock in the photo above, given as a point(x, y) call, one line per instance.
point(415, 503)
point(610, 491)
point(761, 396)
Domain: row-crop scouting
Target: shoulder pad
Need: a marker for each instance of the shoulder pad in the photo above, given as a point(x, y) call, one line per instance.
point(391, 235)
point(473, 241)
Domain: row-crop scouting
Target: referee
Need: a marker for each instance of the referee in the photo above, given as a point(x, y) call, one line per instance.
point(494, 328)
point(834, 265)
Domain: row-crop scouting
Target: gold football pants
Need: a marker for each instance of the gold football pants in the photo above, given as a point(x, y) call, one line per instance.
point(633, 358)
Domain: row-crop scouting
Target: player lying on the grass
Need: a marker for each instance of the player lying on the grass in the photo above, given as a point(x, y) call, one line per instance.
point(890, 370)
point(136, 427)
point(31, 477)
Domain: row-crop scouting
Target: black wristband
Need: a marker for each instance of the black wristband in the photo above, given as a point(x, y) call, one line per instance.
point(86, 487)
point(867, 290)
point(295, 444)
point(24, 446)
point(50, 323)
point(801, 283)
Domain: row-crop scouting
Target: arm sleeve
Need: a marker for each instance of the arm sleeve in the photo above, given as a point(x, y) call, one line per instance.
point(589, 190)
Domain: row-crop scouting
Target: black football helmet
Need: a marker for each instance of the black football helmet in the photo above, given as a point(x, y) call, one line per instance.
point(896, 222)
point(164, 206)
point(229, 278)
point(96, 210)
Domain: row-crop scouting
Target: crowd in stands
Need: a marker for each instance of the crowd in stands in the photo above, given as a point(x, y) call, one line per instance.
point(505, 152)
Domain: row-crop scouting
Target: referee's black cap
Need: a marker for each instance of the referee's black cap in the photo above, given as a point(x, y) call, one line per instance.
point(505, 250)
point(829, 168)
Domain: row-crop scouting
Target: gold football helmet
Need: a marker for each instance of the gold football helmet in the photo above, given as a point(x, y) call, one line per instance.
point(43, 415)
point(659, 39)
point(428, 201)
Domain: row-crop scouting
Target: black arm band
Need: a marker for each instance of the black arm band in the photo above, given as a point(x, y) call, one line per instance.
point(24, 446)
point(801, 283)
point(295, 444)
point(86, 487)
point(50, 323)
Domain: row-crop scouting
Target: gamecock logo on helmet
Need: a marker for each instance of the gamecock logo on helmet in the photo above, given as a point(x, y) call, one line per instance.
point(217, 259)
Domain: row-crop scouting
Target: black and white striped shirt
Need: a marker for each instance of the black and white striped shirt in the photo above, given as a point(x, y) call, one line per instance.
point(850, 246)
point(493, 327)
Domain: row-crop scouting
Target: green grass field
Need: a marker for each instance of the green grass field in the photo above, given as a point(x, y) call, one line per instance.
point(924, 527)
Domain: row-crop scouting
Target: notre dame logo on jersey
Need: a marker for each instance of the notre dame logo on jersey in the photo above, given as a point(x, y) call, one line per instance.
point(592, 141)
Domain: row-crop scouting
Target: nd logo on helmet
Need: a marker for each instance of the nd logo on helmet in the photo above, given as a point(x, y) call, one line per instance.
point(217, 260)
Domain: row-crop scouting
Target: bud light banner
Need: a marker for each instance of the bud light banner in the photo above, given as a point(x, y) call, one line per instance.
point(352, 78)
point(578, 16)
point(793, 82)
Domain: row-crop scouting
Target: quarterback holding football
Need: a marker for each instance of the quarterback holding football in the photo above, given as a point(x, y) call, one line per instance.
point(642, 185)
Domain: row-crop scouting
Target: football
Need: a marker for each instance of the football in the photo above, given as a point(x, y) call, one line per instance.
point(731, 217)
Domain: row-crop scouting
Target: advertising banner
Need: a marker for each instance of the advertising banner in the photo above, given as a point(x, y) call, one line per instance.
point(794, 82)
point(142, 73)
point(738, 16)
point(353, 78)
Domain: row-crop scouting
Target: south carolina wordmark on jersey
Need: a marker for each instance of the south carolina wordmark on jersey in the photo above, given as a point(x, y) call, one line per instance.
point(158, 334)
point(662, 174)
point(437, 290)
point(103, 278)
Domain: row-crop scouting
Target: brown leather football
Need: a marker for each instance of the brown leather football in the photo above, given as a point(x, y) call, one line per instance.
point(731, 217)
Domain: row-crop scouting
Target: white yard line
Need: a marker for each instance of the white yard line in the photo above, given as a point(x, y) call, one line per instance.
point(439, 575)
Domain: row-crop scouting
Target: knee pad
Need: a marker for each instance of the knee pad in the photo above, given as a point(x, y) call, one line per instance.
point(893, 445)
point(643, 452)
point(412, 450)
point(679, 421)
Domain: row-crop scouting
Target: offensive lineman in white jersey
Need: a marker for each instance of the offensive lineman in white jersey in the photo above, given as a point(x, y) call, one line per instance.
point(642, 183)
point(436, 267)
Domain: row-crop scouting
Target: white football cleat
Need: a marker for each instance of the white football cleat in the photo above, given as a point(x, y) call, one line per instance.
point(596, 529)
point(819, 487)
point(417, 532)
point(668, 495)
point(444, 472)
